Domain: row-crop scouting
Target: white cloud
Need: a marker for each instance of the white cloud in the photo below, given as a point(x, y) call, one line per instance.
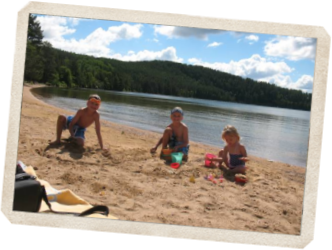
point(259, 69)
point(304, 83)
point(55, 27)
point(254, 67)
point(185, 32)
point(252, 38)
point(114, 33)
point(164, 30)
point(74, 21)
point(168, 54)
point(292, 48)
point(95, 44)
point(214, 44)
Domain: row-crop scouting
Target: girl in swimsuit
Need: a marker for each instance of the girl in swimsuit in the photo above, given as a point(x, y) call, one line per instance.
point(234, 154)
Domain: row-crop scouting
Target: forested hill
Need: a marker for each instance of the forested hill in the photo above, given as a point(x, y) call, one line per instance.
point(49, 65)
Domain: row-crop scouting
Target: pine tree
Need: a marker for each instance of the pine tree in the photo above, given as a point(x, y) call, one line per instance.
point(35, 34)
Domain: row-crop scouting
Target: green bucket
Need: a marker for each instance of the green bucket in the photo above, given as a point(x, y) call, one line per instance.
point(177, 157)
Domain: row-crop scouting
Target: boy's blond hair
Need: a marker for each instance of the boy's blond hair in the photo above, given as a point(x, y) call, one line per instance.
point(229, 130)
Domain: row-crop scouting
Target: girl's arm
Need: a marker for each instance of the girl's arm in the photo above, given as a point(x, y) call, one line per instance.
point(218, 159)
point(225, 156)
point(243, 151)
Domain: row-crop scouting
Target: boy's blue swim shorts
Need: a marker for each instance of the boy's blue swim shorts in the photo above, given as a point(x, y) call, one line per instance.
point(78, 131)
point(184, 150)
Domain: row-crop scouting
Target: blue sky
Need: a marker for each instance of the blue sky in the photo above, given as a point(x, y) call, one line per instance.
point(282, 60)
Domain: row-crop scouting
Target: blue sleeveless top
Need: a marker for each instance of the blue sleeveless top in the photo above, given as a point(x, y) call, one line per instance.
point(235, 161)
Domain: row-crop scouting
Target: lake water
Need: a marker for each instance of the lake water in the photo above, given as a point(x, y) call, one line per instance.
point(272, 133)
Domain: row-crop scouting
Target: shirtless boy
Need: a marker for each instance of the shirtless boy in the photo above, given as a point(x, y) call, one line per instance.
point(175, 135)
point(77, 124)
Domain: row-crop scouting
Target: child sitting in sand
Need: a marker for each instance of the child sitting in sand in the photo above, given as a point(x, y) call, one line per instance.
point(77, 124)
point(175, 135)
point(237, 152)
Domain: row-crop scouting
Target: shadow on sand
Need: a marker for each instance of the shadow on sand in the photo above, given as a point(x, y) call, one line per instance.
point(75, 151)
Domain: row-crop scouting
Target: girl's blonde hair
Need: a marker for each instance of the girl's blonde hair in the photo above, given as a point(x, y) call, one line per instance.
point(229, 130)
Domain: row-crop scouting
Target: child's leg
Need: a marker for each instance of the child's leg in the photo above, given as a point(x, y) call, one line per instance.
point(61, 123)
point(220, 155)
point(185, 151)
point(79, 136)
point(165, 140)
point(238, 170)
point(166, 137)
point(79, 141)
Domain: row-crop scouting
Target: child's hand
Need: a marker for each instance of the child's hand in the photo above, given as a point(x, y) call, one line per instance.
point(106, 152)
point(245, 159)
point(153, 150)
point(208, 158)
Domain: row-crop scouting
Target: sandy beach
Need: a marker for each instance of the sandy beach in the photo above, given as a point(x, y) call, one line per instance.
point(138, 186)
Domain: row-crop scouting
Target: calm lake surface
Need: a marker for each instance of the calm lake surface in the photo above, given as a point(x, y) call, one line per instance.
point(272, 133)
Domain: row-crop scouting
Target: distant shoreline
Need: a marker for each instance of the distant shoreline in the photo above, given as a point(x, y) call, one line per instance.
point(117, 91)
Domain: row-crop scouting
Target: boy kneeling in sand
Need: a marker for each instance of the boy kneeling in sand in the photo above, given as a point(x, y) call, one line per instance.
point(77, 124)
point(175, 135)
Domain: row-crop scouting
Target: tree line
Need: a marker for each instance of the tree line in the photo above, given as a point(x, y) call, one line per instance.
point(66, 69)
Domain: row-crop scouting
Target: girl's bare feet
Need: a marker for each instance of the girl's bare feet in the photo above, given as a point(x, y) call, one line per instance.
point(223, 168)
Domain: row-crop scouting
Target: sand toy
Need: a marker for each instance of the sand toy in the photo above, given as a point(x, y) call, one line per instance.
point(214, 179)
point(241, 178)
point(175, 165)
point(177, 157)
point(208, 162)
point(166, 154)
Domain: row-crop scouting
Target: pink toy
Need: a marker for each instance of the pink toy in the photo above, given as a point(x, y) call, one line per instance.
point(208, 162)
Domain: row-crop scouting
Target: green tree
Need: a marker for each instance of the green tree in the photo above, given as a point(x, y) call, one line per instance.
point(48, 55)
point(35, 34)
point(34, 66)
point(65, 76)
